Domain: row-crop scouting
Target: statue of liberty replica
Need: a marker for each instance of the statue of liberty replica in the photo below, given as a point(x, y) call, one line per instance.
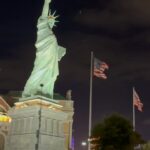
point(48, 55)
point(38, 121)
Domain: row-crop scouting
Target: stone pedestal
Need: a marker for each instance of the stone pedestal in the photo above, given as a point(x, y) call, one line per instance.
point(3, 133)
point(40, 125)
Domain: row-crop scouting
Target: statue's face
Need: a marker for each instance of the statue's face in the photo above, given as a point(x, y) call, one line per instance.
point(51, 22)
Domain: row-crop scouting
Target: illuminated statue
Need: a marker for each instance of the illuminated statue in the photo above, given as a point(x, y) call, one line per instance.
point(48, 55)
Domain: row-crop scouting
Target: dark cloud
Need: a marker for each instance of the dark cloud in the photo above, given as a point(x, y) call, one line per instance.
point(146, 122)
point(128, 57)
point(125, 42)
point(117, 15)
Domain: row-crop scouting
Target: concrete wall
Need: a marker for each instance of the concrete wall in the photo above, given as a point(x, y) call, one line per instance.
point(3, 133)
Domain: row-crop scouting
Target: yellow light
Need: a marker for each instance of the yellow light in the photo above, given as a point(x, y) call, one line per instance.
point(4, 118)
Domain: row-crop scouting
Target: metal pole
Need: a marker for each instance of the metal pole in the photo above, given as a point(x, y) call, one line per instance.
point(90, 99)
point(133, 112)
point(38, 131)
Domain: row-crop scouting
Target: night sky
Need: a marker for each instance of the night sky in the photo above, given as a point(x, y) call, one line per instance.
point(117, 31)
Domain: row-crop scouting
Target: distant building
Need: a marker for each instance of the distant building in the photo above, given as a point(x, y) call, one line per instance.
point(4, 107)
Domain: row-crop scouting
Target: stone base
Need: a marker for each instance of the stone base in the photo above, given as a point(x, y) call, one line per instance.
point(40, 125)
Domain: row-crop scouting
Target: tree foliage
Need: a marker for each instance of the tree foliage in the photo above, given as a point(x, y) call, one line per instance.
point(116, 133)
point(146, 146)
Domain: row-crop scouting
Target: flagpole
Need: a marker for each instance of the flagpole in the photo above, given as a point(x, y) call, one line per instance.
point(133, 112)
point(90, 98)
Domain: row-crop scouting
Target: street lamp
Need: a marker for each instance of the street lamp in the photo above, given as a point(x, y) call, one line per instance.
point(83, 143)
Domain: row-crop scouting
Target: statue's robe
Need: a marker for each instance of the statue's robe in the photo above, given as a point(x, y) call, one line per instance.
point(48, 55)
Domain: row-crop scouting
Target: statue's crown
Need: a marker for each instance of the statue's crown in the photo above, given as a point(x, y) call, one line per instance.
point(52, 15)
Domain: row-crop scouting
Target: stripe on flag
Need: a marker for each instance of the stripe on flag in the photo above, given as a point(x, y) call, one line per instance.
point(136, 101)
point(99, 68)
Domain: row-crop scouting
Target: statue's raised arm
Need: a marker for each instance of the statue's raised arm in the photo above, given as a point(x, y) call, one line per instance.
point(45, 9)
point(48, 55)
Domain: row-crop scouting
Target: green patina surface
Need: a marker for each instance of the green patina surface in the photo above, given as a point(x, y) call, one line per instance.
point(48, 55)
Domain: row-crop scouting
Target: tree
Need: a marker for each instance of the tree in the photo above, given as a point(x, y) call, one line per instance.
point(116, 133)
point(146, 146)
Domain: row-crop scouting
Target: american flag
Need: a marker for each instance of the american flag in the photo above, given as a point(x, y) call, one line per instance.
point(99, 68)
point(136, 101)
